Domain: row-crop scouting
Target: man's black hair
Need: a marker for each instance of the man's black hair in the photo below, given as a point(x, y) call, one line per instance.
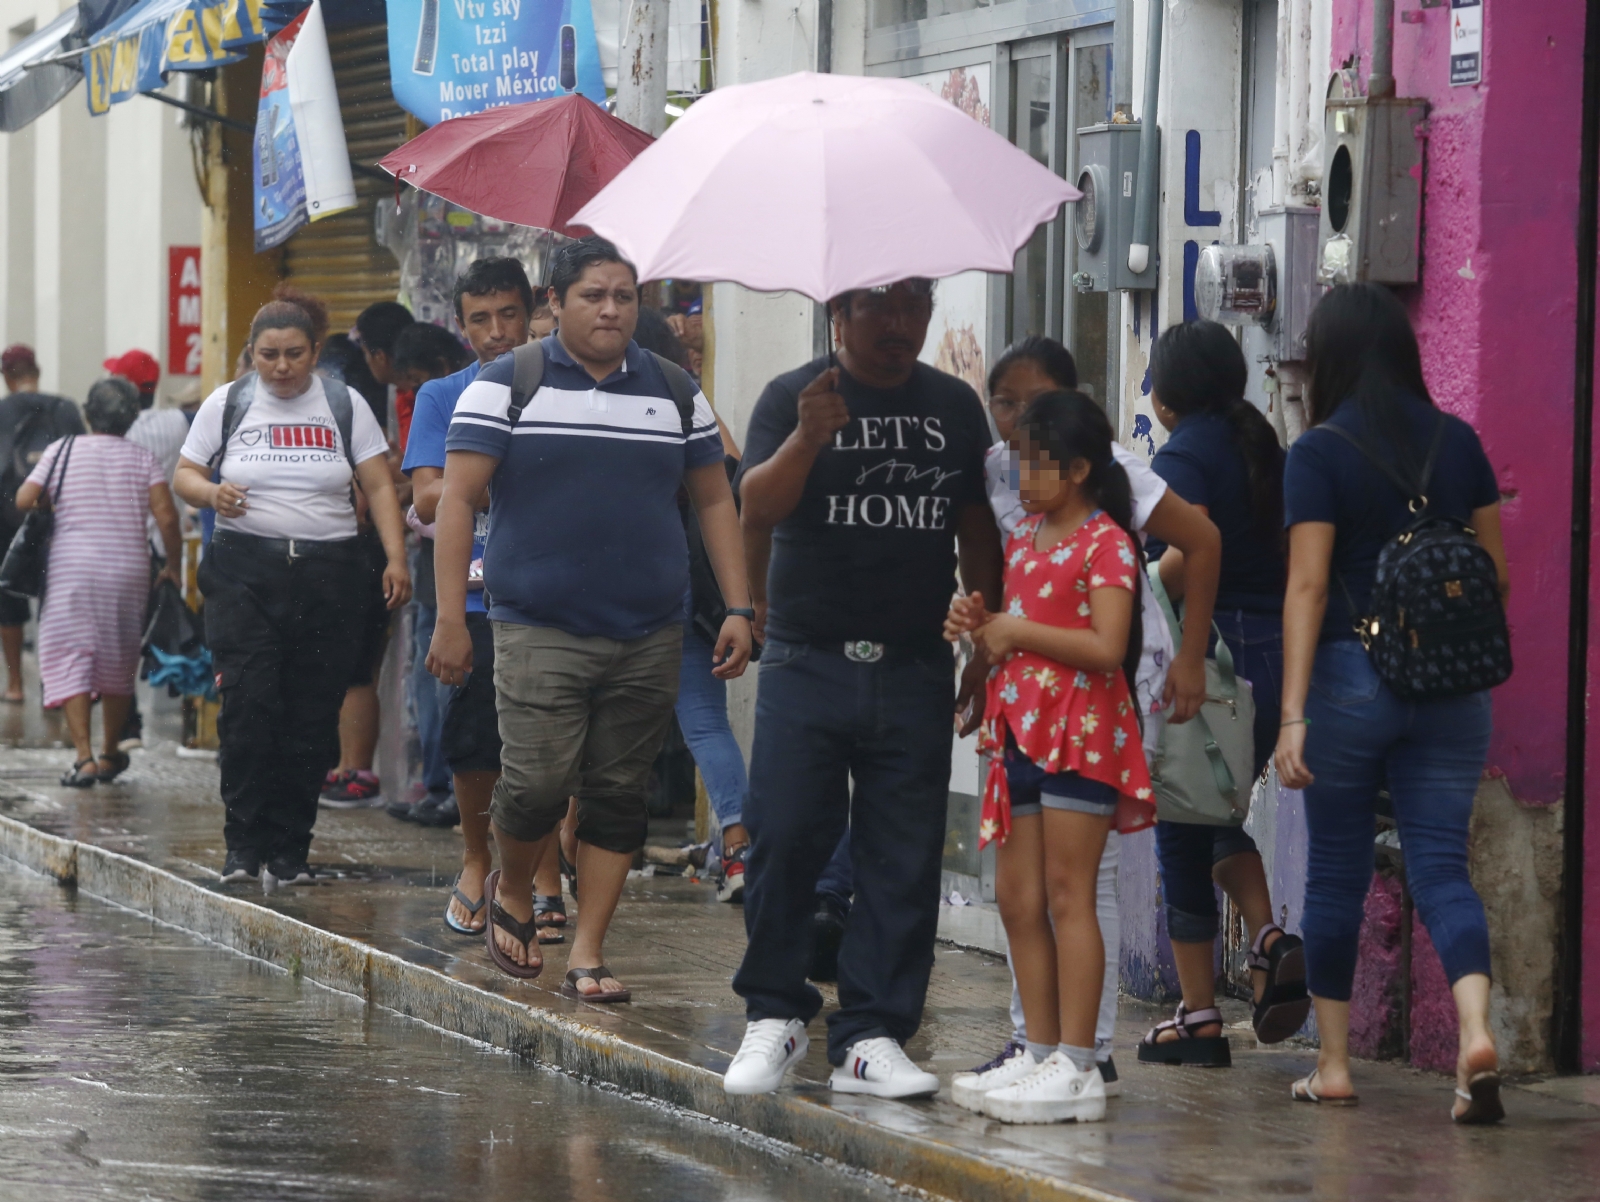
point(571, 259)
point(494, 274)
point(380, 324)
point(428, 348)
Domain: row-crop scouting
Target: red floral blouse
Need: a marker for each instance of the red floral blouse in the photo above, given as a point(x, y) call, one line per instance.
point(1064, 719)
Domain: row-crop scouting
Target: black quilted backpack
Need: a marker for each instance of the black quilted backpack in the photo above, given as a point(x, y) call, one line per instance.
point(1437, 627)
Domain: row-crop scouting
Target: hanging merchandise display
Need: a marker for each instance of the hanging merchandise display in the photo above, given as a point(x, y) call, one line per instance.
point(436, 241)
point(448, 58)
point(302, 166)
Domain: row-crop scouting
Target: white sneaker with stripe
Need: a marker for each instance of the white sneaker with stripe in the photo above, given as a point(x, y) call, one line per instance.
point(881, 1068)
point(770, 1048)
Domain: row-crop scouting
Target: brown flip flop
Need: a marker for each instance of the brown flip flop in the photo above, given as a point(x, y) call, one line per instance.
point(569, 987)
point(525, 933)
point(1483, 1102)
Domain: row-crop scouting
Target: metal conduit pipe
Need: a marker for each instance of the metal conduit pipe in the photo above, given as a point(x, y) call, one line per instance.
point(1144, 203)
point(1381, 82)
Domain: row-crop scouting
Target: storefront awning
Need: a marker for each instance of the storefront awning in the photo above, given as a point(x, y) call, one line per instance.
point(26, 91)
point(134, 53)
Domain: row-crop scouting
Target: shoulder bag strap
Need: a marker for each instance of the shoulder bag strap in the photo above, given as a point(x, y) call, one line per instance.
point(240, 394)
point(1222, 656)
point(63, 457)
point(341, 406)
point(527, 373)
point(683, 390)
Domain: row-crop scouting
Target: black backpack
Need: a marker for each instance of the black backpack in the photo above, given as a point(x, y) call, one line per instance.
point(242, 392)
point(527, 373)
point(34, 431)
point(1437, 626)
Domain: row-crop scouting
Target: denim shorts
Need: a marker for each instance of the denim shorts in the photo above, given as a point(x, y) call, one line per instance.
point(1033, 790)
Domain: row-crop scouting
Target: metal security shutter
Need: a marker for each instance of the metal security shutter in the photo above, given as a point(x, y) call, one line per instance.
point(338, 258)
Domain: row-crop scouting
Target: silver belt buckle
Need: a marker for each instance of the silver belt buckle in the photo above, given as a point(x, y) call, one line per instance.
point(862, 651)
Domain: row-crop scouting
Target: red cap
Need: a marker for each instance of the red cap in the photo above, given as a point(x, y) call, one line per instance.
point(18, 357)
point(136, 366)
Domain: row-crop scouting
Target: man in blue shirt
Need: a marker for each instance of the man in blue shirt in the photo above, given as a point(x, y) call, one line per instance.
point(587, 568)
point(493, 301)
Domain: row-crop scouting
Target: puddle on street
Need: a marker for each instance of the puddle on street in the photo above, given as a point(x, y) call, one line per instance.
point(137, 1062)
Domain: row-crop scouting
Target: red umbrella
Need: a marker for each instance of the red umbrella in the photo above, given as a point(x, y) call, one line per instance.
point(532, 164)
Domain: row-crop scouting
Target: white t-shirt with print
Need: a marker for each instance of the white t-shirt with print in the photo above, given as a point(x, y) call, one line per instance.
point(1148, 489)
point(288, 454)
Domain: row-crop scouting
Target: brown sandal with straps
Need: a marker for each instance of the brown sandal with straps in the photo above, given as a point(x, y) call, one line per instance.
point(569, 987)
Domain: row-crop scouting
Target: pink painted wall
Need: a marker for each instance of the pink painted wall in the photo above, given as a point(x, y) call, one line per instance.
point(1495, 315)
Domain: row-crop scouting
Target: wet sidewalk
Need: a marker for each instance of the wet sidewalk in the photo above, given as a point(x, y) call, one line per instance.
point(1173, 1135)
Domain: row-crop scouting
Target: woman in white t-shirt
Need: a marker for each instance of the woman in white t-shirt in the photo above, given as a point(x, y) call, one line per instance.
point(282, 579)
point(1170, 686)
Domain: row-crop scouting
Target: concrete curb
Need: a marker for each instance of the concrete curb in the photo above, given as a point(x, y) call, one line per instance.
point(423, 993)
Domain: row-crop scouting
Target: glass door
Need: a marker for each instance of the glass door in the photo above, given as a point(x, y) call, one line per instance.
point(1037, 88)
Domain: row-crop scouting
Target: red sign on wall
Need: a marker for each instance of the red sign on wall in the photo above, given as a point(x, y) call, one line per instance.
point(183, 310)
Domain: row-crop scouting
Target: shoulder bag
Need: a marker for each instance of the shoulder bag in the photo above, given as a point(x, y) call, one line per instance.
point(1201, 769)
point(22, 572)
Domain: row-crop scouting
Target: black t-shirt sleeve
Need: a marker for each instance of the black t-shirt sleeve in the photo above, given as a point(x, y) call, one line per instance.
point(776, 414)
point(1483, 489)
point(68, 419)
point(1183, 474)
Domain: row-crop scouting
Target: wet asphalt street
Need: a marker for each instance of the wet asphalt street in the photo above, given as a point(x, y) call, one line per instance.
point(139, 1062)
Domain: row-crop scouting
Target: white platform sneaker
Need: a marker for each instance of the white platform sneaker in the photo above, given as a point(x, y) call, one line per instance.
point(1054, 1092)
point(881, 1068)
point(1010, 1066)
point(770, 1048)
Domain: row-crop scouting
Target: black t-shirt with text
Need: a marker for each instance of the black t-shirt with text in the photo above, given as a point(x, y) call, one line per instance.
point(869, 552)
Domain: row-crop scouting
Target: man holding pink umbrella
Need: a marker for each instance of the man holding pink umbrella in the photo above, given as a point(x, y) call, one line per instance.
point(865, 479)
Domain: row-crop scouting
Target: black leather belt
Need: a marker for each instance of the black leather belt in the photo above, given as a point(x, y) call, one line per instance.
point(345, 549)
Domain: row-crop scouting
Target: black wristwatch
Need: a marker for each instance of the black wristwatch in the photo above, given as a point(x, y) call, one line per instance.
point(741, 613)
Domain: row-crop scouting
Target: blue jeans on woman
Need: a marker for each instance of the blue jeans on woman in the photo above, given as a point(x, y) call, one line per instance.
point(703, 718)
point(1431, 753)
point(1189, 850)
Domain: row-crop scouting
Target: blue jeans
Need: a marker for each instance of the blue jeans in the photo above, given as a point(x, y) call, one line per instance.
point(427, 702)
point(1432, 755)
point(836, 883)
point(1189, 850)
point(823, 721)
point(703, 717)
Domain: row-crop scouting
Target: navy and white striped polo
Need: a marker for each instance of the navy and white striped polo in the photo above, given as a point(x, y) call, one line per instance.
point(584, 531)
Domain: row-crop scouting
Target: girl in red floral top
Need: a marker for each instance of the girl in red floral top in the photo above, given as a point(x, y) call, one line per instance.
point(1063, 734)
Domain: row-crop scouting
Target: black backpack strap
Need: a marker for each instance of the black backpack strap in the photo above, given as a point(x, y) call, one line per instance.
point(683, 389)
point(527, 373)
point(240, 395)
point(1411, 491)
point(63, 457)
point(343, 409)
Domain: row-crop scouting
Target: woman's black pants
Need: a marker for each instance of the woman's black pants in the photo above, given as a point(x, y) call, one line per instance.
point(283, 623)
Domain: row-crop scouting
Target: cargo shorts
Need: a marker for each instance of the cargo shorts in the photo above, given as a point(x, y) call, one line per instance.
point(580, 717)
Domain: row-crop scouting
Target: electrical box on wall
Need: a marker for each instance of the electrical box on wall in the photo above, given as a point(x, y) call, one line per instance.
point(1102, 222)
point(1371, 190)
point(1270, 285)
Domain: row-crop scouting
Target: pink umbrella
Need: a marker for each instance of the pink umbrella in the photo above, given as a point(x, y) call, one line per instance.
point(822, 184)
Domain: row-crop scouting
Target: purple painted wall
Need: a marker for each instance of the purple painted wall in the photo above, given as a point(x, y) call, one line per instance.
point(1495, 315)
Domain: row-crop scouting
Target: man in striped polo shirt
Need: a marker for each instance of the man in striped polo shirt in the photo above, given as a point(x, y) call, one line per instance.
point(585, 574)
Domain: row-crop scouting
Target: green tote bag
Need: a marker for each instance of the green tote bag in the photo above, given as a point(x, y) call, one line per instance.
point(1201, 769)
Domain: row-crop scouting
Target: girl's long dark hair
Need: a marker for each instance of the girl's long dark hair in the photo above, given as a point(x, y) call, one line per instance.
point(1068, 425)
point(1197, 367)
point(1047, 354)
point(1360, 345)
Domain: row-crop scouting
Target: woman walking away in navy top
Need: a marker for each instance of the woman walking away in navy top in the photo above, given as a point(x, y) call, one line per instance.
point(1223, 457)
point(1344, 732)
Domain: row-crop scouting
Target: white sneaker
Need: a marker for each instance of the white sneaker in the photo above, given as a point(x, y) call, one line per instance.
point(1053, 1093)
point(771, 1047)
point(1010, 1066)
point(880, 1067)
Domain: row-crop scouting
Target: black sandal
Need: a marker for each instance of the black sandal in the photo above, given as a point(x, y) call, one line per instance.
point(119, 762)
point(569, 987)
point(78, 778)
point(1204, 1051)
point(542, 907)
point(525, 933)
point(1482, 1097)
point(466, 904)
point(1285, 1002)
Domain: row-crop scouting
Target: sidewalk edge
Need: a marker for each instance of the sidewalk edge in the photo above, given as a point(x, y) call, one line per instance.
point(417, 991)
